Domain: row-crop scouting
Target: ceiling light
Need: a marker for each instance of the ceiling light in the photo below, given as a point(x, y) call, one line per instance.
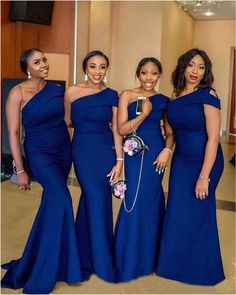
point(198, 4)
point(208, 13)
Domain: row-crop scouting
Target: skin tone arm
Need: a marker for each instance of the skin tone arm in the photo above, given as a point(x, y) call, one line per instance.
point(212, 116)
point(67, 104)
point(13, 110)
point(163, 157)
point(126, 126)
point(116, 170)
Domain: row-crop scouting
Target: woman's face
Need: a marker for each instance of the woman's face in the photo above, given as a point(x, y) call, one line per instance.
point(148, 76)
point(96, 69)
point(38, 65)
point(195, 70)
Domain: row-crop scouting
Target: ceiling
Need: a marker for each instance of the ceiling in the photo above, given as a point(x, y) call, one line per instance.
point(219, 9)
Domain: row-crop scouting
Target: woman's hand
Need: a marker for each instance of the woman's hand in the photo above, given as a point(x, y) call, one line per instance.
point(162, 160)
point(201, 189)
point(23, 181)
point(146, 107)
point(115, 172)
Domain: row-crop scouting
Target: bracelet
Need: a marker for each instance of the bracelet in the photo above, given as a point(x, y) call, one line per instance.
point(202, 177)
point(167, 149)
point(119, 159)
point(19, 172)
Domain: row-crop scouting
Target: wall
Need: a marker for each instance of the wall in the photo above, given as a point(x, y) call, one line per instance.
point(126, 31)
point(177, 37)
point(18, 36)
point(83, 35)
point(130, 30)
point(136, 33)
point(217, 38)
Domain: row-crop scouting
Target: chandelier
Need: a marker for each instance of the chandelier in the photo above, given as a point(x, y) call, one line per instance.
point(204, 7)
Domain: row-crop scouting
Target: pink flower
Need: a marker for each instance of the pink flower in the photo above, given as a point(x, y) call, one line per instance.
point(129, 146)
point(119, 190)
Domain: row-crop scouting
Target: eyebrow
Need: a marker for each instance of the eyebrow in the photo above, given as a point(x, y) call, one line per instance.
point(36, 59)
point(202, 64)
point(93, 63)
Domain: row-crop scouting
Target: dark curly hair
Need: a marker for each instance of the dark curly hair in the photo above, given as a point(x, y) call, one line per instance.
point(24, 58)
point(144, 61)
point(91, 54)
point(178, 77)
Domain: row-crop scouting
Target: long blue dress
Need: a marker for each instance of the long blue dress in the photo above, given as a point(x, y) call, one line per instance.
point(93, 158)
point(51, 253)
point(137, 234)
point(190, 250)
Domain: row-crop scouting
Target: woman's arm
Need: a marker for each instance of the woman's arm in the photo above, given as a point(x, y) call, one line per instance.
point(212, 116)
point(13, 110)
point(67, 104)
point(126, 126)
point(117, 169)
point(163, 157)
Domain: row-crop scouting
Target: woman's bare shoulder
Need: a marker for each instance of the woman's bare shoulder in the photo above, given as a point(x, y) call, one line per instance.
point(74, 91)
point(16, 91)
point(129, 92)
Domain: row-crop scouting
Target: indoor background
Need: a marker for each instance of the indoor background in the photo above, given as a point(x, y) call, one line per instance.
point(126, 31)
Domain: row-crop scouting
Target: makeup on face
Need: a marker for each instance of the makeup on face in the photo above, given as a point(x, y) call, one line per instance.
point(38, 65)
point(149, 76)
point(96, 69)
point(195, 70)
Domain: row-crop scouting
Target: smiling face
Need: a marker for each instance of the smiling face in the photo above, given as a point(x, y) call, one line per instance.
point(195, 70)
point(96, 69)
point(148, 76)
point(37, 65)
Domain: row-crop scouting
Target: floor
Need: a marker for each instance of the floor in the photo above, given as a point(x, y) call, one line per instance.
point(18, 211)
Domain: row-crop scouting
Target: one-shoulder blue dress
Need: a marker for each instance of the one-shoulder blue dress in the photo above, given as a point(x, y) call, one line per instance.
point(51, 252)
point(93, 158)
point(138, 233)
point(190, 250)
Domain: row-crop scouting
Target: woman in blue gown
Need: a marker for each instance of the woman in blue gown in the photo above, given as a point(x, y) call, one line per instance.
point(97, 154)
point(51, 253)
point(190, 250)
point(138, 228)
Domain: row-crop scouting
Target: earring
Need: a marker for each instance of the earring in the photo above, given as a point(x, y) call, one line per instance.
point(29, 75)
point(86, 77)
point(105, 79)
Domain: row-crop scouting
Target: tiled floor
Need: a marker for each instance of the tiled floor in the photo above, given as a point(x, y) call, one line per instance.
point(19, 209)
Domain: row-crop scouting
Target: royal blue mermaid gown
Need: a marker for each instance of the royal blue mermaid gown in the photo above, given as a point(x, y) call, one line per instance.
point(93, 158)
point(190, 250)
point(137, 234)
point(51, 252)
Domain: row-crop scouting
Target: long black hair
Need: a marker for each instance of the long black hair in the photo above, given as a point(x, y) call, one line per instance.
point(144, 61)
point(178, 77)
point(24, 58)
point(91, 54)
